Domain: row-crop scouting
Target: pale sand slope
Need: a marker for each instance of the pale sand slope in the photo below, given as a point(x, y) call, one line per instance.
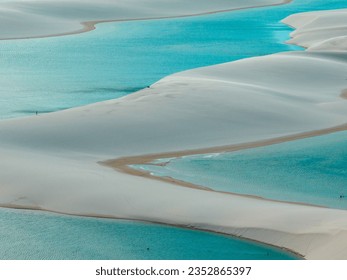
point(50, 161)
point(323, 30)
point(25, 18)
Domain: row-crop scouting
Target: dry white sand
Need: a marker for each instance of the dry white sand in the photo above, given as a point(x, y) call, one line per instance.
point(33, 18)
point(51, 161)
point(319, 31)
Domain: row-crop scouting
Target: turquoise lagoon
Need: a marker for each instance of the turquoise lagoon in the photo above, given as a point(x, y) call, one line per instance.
point(116, 59)
point(311, 170)
point(36, 235)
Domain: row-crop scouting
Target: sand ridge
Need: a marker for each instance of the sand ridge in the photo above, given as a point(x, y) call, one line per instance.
point(124, 164)
point(53, 163)
point(257, 101)
point(344, 94)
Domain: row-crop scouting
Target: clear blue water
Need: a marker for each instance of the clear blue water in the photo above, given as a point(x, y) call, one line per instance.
point(311, 170)
point(37, 235)
point(119, 58)
point(114, 60)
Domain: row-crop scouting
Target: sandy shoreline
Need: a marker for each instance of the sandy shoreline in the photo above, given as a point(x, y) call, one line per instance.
point(238, 237)
point(344, 94)
point(88, 26)
point(61, 156)
point(123, 164)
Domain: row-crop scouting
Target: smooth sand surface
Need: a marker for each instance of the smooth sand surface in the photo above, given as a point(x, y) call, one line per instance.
point(46, 18)
point(124, 164)
point(319, 31)
point(51, 161)
point(344, 94)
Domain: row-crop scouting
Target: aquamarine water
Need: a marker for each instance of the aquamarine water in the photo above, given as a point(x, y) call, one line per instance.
point(38, 235)
point(311, 170)
point(116, 59)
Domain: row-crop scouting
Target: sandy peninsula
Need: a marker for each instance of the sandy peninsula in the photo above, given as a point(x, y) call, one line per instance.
point(52, 162)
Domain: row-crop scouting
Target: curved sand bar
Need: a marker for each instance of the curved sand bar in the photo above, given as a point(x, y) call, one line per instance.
point(50, 162)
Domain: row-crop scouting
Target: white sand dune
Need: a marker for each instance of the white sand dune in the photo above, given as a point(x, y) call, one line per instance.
point(50, 161)
point(319, 31)
point(32, 18)
point(244, 101)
